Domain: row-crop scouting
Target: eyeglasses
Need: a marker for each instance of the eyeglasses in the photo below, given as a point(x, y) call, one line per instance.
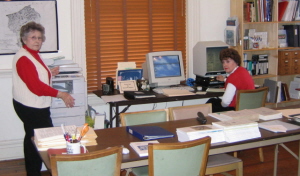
point(36, 38)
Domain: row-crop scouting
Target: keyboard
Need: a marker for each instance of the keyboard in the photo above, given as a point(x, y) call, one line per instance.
point(159, 90)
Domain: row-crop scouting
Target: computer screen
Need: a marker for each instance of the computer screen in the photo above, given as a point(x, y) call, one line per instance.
point(206, 58)
point(163, 68)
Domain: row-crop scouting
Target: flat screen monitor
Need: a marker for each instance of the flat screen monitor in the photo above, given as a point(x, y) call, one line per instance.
point(206, 58)
point(164, 68)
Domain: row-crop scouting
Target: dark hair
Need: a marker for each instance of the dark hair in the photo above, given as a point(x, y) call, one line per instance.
point(31, 26)
point(230, 53)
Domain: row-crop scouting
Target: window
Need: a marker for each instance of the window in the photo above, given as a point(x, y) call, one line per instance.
point(126, 30)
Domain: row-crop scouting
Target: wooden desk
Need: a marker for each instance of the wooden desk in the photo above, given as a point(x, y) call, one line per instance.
point(158, 99)
point(118, 136)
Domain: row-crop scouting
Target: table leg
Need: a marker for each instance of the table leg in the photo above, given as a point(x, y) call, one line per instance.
point(275, 160)
point(110, 115)
point(117, 116)
point(299, 160)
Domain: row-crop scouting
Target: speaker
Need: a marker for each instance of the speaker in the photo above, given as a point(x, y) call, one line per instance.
point(105, 89)
point(110, 82)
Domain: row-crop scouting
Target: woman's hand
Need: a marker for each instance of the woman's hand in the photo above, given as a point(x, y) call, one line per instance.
point(220, 78)
point(67, 98)
point(54, 71)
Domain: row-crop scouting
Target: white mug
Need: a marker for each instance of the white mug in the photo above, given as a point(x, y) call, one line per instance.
point(74, 147)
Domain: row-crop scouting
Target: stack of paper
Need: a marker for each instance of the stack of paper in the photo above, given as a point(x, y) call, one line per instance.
point(232, 115)
point(141, 148)
point(267, 113)
point(199, 131)
point(176, 92)
point(238, 129)
point(53, 137)
point(278, 126)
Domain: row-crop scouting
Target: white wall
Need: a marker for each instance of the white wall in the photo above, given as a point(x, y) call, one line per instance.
point(206, 21)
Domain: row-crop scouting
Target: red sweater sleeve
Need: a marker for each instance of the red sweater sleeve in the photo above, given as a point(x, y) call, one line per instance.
point(27, 72)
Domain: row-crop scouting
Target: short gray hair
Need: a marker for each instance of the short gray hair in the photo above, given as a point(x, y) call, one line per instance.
point(31, 26)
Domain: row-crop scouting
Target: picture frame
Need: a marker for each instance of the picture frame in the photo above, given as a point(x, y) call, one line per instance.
point(129, 85)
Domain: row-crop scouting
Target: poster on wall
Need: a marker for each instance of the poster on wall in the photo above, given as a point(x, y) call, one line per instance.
point(14, 14)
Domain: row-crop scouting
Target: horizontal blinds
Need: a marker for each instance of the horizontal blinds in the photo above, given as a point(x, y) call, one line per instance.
point(125, 30)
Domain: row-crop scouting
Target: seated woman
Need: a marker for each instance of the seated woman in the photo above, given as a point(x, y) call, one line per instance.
point(238, 78)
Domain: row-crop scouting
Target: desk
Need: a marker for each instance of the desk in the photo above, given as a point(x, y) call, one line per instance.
point(118, 136)
point(158, 99)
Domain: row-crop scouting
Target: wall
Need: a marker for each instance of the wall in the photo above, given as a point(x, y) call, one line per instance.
point(206, 21)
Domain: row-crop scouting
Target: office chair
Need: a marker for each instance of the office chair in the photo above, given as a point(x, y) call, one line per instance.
point(216, 163)
point(180, 158)
point(251, 99)
point(143, 117)
point(106, 161)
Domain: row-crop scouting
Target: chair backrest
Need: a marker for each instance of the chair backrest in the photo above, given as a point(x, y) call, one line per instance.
point(250, 99)
point(106, 161)
point(181, 158)
point(144, 117)
point(188, 112)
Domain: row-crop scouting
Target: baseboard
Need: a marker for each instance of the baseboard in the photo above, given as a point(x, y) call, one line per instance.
point(11, 149)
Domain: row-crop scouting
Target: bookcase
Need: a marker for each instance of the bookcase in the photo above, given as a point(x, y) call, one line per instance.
point(275, 65)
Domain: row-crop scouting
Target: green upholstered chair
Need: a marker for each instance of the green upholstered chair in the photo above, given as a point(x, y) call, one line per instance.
point(144, 117)
point(251, 99)
point(176, 159)
point(216, 163)
point(96, 163)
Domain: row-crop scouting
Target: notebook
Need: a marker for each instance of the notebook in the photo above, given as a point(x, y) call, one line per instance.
point(146, 133)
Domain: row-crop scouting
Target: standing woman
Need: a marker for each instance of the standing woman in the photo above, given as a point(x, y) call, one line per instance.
point(238, 78)
point(32, 91)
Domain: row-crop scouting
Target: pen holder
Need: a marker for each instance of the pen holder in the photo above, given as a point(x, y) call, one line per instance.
point(75, 147)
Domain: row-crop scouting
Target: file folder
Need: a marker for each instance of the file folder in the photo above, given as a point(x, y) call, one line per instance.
point(146, 133)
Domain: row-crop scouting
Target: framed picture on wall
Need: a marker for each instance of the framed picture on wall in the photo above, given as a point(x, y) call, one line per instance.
point(15, 14)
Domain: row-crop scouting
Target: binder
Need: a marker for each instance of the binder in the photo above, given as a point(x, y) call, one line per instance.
point(146, 133)
point(292, 35)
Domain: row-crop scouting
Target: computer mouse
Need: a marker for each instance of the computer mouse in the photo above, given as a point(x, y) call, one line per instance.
point(201, 118)
point(125, 150)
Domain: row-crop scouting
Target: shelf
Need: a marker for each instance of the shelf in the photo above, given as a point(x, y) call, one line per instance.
point(263, 76)
point(263, 49)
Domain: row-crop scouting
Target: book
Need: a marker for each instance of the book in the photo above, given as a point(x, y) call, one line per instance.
point(278, 126)
point(267, 113)
point(281, 9)
point(141, 148)
point(146, 133)
point(138, 94)
point(241, 114)
point(273, 90)
point(199, 131)
point(239, 129)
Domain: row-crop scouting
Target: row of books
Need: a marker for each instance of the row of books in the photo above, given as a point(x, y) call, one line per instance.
point(257, 65)
point(258, 10)
point(278, 91)
point(254, 39)
point(288, 10)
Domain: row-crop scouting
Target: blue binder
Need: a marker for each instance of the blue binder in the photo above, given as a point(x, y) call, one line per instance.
point(146, 133)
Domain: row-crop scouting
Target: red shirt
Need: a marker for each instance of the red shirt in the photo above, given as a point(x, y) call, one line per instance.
point(29, 75)
point(242, 80)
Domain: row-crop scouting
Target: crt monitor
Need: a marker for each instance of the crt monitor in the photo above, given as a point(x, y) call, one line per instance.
point(206, 58)
point(163, 68)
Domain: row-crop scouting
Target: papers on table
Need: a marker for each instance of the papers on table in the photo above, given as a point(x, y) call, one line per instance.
point(199, 131)
point(278, 126)
point(53, 137)
point(176, 92)
point(262, 113)
point(215, 89)
point(141, 148)
point(238, 129)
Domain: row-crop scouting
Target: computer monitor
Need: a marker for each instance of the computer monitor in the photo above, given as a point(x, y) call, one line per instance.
point(206, 58)
point(164, 68)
